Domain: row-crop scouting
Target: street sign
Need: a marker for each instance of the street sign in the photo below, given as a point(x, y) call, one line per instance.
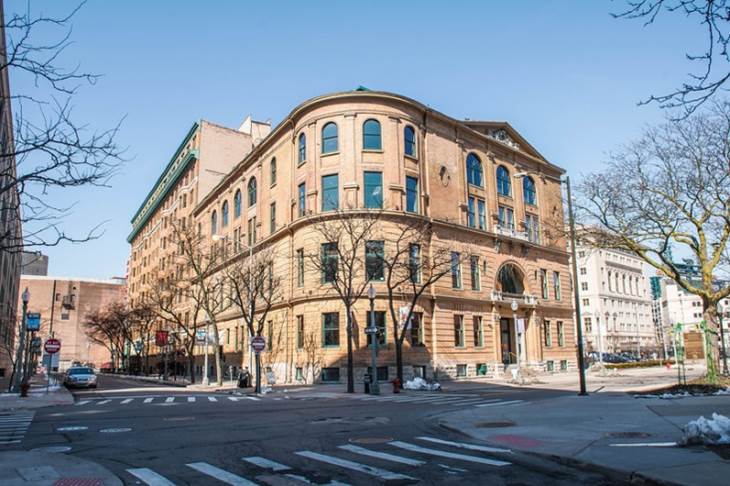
point(161, 338)
point(258, 344)
point(371, 330)
point(200, 336)
point(138, 346)
point(32, 321)
point(52, 346)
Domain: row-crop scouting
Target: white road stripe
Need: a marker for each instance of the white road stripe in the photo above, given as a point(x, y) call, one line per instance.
point(220, 474)
point(307, 481)
point(149, 477)
point(471, 401)
point(463, 445)
point(255, 399)
point(355, 466)
point(103, 402)
point(125, 401)
point(169, 399)
point(646, 444)
point(266, 463)
point(233, 399)
point(381, 455)
point(148, 400)
point(83, 402)
point(511, 402)
point(450, 455)
point(191, 399)
point(212, 399)
point(9, 442)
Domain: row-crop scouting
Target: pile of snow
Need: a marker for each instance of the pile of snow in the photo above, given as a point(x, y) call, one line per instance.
point(666, 396)
point(703, 431)
point(421, 384)
point(724, 391)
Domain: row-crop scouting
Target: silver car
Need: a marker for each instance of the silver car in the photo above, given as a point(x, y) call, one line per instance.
point(80, 377)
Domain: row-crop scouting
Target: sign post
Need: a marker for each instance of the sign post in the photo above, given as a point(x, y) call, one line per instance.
point(258, 344)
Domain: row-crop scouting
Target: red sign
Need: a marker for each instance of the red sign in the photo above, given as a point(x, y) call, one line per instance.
point(52, 346)
point(258, 344)
point(161, 338)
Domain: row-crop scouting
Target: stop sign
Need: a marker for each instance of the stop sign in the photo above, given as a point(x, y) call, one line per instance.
point(52, 346)
point(258, 344)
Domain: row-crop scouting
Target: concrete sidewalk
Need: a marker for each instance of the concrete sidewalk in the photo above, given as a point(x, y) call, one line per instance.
point(44, 468)
point(39, 395)
point(614, 431)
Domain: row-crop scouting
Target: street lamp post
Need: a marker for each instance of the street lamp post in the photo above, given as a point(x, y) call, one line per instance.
point(373, 333)
point(19, 371)
point(206, 381)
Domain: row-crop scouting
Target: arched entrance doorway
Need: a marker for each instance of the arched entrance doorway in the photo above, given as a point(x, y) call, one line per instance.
point(510, 282)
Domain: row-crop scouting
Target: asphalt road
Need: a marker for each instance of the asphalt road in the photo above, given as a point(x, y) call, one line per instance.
point(148, 434)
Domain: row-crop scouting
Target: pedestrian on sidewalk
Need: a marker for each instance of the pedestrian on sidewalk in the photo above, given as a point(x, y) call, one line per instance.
point(244, 378)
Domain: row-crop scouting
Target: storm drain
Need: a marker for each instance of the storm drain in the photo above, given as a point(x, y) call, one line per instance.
point(629, 435)
point(495, 425)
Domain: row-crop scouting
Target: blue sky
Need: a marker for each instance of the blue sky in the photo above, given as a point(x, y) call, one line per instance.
point(563, 73)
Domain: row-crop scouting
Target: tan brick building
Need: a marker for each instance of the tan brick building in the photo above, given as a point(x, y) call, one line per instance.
point(64, 303)
point(483, 186)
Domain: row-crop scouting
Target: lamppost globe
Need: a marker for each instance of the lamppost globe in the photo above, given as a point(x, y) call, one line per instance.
point(26, 296)
point(371, 292)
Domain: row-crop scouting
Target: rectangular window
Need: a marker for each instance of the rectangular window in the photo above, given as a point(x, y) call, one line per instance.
point(380, 324)
point(556, 285)
point(461, 370)
point(482, 214)
point(551, 366)
point(584, 286)
point(588, 324)
point(586, 302)
point(532, 226)
point(583, 270)
point(302, 199)
point(458, 330)
point(331, 329)
point(476, 279)
point(330, 259)
point(411, 194)
point(272, 220)
point(330, 375)
point(478, 332)
point(373, 190)
point(300, 332)
point(481, 369)
point(455, 270)
point(270, 335)
point(506, 218)
point(548, 334)
point(414, 262)
point(299, 374)
point(563, 365)
point(544, 283)
point(330, 192)
point(300, 267)
point(561, 334)
point(251, 231)
point(471, 212)
point(374, 264)
point(417, 329)
point(382, 372)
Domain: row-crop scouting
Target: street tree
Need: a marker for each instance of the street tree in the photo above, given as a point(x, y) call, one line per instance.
point(254, 289)
point(144, 319)
point(712, 19)
point(53, 149)
point(111, 327)
point(670, 189)
point(340, 261)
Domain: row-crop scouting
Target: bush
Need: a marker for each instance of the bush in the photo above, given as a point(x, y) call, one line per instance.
point(640, 364)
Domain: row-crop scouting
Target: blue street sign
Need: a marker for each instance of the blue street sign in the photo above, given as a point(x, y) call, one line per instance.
point(32, 321)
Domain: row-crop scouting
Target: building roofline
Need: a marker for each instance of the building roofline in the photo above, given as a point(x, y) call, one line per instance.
point(73, 279)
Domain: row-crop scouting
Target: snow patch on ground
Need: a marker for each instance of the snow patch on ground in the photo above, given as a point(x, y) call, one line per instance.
point(707, 431)
point(670, 396)
point(421, 384)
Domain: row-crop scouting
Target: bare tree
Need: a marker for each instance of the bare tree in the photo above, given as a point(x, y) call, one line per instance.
point(254, 289)
point(52, 149)
point(713, 18)
point(340, 260)
point(412, 265)
point(111, 327)
point(143, 321)
point(670, 188)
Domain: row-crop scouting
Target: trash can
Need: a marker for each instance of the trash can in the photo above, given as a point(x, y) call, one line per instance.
point(367, 379)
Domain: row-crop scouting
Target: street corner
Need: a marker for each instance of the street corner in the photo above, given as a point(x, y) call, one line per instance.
point(39, 467)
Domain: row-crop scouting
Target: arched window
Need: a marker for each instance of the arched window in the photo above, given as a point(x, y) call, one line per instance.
point(409, 140)
point(504, 185)
point(252, 192)
point(371, 135)
point(528, 190)
point(329, 138)
point(302, 148)
point(510, 280)
point(272, 170)
point(224, 214)
point(214, 223)
point(237, 204)
point(474, 170)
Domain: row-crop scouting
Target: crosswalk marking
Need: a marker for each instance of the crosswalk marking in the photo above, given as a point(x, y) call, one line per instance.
point(83, 402)
point(449, 455)
point(104, 402)
point(381, 455)
point(149, 477)
point(126, 401)
point(169, 399)
point(304, 480)
point(355, 466)
point(463, 445)
point(266, 463)
point(191, 399)
point(212, 399)
point(471, 401)
point(233, 399)
point(13, 426)
point(220, 474)
point(511, 402)
point(147, 400)
point(255, 399)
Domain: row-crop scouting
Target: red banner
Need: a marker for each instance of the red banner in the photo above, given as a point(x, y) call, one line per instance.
point(161, 338)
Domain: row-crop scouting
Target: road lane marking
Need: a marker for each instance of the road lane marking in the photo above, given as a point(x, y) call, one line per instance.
point(511, 402)
point(233, 399)
point(381, 455)
point(449, 455)
point(191, 399)
point(256, 399)
point(83, 402)
point(169, 399)
point(646, 444)
point(266, 463)
point(355, 466)
point(220, 474)
point(126, 400)
point(103, 402)
point(149, 477)
point(9, 441)
point(148, 400)
point(463, 445)
point(212, 399)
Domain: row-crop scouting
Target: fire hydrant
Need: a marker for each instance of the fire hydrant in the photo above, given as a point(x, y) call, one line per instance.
point(396, 385)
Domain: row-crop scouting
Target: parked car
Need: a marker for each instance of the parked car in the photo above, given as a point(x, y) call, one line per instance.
point(80, 377)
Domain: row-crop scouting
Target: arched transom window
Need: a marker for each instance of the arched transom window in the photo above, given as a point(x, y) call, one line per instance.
point(474, 174)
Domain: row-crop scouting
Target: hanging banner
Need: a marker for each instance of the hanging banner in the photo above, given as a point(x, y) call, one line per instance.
point(161, 338)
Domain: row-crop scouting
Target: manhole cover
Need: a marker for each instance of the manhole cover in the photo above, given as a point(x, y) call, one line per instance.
point(629, 435)
point(115, 430)
point(71, 428)
point(371, 440)
point(495, 425)
point(54, 449)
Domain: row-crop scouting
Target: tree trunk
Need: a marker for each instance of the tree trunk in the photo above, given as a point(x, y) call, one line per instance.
point(217, 354)
point(191, 366)
point(711, 331)
point(350, 371)
point(399, 359)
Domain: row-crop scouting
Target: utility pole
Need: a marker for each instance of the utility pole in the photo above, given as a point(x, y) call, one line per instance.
point(372, 331)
